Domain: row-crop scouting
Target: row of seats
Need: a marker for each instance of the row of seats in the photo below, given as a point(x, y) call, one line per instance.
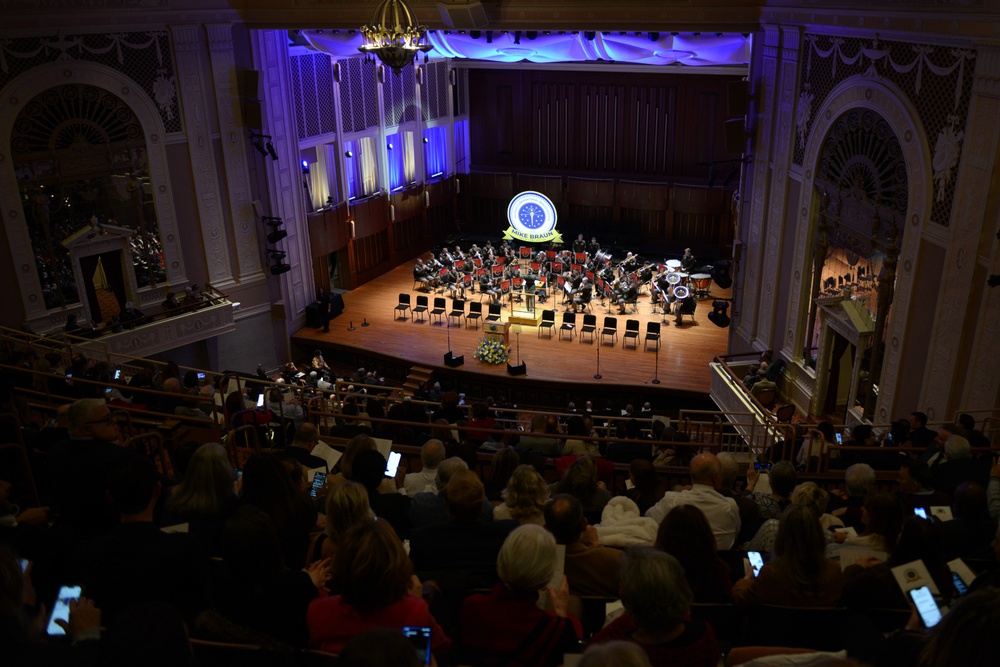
point(440, 309)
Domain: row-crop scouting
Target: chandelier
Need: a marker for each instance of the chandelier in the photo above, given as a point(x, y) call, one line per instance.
point(393, 35)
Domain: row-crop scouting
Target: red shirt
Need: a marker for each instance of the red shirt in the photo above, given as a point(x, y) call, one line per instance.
point(332, 622)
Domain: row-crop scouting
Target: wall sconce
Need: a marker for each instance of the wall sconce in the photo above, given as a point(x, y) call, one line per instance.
point(392, 213)
point(350, 221)
point(427, 199)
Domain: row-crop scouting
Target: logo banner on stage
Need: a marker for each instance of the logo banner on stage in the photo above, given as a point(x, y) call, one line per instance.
point(532, 218)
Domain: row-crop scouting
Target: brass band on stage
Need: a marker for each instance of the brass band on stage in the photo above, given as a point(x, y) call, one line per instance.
point(575, 276)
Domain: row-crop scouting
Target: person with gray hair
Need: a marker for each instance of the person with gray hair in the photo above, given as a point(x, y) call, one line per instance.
point(618, 653)
point(959, 466)
point(428, 507)
point(657, 601)
point(431, 456)
point(506, 627)
point(722, 513)
point(859, 479)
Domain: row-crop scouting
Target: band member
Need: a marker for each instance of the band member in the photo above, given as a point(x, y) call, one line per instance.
point(629, 263)
point(420, 274)
point(579, 245)
point(446, 257)
point(583, 295)
point(486, 287)
point(628, 293)
point(488, 251)
point(432, 262)
point(680, 304)
point(593, 247)
point(688, 261)
point(458, 254)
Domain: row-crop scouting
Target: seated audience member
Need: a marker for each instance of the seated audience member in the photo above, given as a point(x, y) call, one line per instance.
point(543, 444)
point(590, 567)
point(205, 497)
point(282, 409)
point(871, 584)
point(919, 435)
point(504, 462)
point(428, 508)
point(481, 424)
point(506, 627)
point(916, 486)
point(750, 520)
point(577, 445)
point(722, 513)
point(859, 479)
point(971, 530)
point(686, 535)
point(882, 517)
point(257, 599)
point(369, 472)
point(431, 455)
point(967, 634)
point(136, 561)
point(637, 448)
point(345, 466)
point(645, 491)
point(618, 653)
point(300, 448)
point(78, 469)
point(525, 497)
point(450, 410)
point(465, 548)
point(657, 602)
point(959, 466)
point(975, 437)
point(815, 446)
point(348, 424)
point(809, 495)
point(800, 574)
point(379, 647)
point(782, 478)
point(377, 589)
point(269, 487)
point(346, 506)
point(581, 482)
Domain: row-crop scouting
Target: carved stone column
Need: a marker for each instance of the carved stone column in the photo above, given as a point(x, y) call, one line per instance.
point(243, 219)
point(191, 69)
point(945, 383)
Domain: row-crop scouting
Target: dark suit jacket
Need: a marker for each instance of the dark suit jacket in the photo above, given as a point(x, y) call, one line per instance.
point(137, 562)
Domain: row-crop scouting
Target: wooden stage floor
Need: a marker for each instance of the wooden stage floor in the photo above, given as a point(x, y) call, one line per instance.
point(685, 351)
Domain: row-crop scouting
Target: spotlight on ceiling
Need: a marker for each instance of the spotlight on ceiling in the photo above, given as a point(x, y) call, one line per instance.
point(719, 317)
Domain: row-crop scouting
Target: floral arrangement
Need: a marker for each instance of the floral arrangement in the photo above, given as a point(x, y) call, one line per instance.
point(491, 351)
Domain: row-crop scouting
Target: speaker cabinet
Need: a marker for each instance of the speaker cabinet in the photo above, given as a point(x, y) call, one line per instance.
point(463, 15)
point(737, 98)
point(521, 369)
point(736, 136)
point(453, 361)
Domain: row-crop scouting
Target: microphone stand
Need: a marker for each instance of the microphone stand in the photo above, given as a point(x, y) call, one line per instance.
point(597, 375)
point(656, 364)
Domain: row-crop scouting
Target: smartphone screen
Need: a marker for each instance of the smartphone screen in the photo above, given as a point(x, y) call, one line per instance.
point(959, 585)
point(890, 438)
point(920, 511)
point(420, 637)
point(23, 562)
point(118, 374)
point(840, 439)
point(260, 401)
point(201, 376)
point(318, 481)
point(756, 561)
point(926, 606)
point(60, 610)
point(392, 465)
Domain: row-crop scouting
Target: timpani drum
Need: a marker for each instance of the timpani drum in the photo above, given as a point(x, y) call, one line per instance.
point(701, 282)
point(673, 264)
point(683, 277)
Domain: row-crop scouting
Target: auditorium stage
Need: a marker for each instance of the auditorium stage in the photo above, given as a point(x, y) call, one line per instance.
point(685, 351)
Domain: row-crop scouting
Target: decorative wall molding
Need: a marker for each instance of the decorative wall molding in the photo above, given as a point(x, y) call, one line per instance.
point(22, 89)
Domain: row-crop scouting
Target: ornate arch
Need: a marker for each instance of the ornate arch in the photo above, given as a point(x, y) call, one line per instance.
point(13, 98)
point(883, 98)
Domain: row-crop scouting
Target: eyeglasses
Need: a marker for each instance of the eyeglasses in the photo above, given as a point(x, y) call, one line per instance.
point(106, 420)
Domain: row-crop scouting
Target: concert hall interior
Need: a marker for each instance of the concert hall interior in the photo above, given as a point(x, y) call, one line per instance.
point(830, 170)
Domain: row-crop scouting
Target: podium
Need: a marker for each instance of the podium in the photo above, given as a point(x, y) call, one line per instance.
point(498, 331)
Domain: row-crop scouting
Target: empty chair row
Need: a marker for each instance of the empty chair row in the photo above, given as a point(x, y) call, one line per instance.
point(589, 326)
point(440, 310)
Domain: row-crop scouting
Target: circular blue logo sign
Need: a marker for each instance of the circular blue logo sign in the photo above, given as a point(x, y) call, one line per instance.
point(532, 217)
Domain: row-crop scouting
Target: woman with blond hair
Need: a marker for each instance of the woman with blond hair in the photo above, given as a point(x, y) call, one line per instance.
point(524, 498)
point(346, 506)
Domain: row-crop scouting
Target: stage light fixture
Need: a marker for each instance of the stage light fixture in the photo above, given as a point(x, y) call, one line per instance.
point(305, 166)
point(270, 149)
point(719, 316)
point(276, 236)
point(279, 268)
point(720, 274)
